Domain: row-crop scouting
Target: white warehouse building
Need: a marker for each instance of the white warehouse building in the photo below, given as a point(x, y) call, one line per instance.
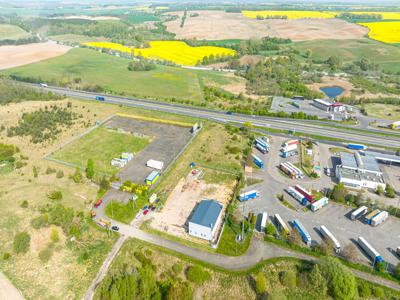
point(358, 171)
point(206, 219)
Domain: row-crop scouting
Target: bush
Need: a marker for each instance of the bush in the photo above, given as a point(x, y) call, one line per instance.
point(55, 195)
point(22, 242)
point(270, 229)
point(364, 290)
point(39, 222)
point(378, 292)
point(177, 268)
point(77, 176)
point(276, 295)
point(6, 256)
point(24, 204)
point(141, 258)
point(50, 170)
point(60, 174)
point(197, 275)
point(289, 279)
point(261, 283)
point(179, 290)
point(54, 236)
point(46, 254)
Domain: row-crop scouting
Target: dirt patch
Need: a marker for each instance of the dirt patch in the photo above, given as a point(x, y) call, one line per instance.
point(14, 56)
point(334, 81)
point(218, 25)
point(180, 204)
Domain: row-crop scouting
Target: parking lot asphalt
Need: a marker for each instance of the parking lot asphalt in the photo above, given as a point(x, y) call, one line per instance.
point(385, 238)
point(167, 142)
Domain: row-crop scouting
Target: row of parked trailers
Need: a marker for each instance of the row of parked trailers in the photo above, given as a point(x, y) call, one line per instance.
point(261, 145)
point(373, 218)
point(290, 148)
point(291, 170)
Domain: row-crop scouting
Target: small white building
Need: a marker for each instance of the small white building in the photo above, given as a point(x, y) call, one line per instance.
point(358, 171)
point(329, 106)
point(206, 219)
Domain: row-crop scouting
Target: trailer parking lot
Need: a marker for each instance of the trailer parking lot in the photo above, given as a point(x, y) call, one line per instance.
point(385, 238)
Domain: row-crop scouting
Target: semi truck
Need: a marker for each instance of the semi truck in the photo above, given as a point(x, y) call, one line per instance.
point(379, 218)
point(246, 196)
point(289, 148)
point(359, 212)
point(259, 163)
point(100, 98)
point(262, 149)
point(287, 170)
point(155, 164)
point(305, 193)
point(296, 195)
point(286, 154)
point(261, 145)
point(289, 143)
point(281, 225)
point(303, 232)
point(369, 250)
point(330, 238)
point(299, 173)
point(368, 218)
point(264, 221)
point(319, 204)
point(357, 147)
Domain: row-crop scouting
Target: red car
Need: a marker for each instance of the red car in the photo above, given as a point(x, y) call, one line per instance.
point(145, 212)
point(98, 203)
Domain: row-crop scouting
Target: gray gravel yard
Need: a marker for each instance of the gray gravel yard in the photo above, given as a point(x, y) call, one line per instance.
point(168, 141)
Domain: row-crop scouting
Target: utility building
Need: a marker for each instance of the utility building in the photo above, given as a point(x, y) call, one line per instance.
point(358, 171)
point(206, 219)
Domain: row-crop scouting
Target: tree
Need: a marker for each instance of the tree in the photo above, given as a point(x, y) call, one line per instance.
point(350, 253)
point(77, 176)
point(295, 238)
point(389, 191)
point(270, 229)
point(261, 283)
point(104, 184)
point(90, 169)
point(179, 290)
point(54, 235)
point(21, 242)
point(379, 190)
point(35, 171)
point(341, 282)
point(364, 290)
point(318, 281)
point(289, 278)
point(197, 274)
point(339, 192)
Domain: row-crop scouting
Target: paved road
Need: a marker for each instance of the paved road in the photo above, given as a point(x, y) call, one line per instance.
point(273, 123)
point(7, 289)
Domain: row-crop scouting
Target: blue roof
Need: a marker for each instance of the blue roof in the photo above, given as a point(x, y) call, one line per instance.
point(152, 175)
point(207, 213)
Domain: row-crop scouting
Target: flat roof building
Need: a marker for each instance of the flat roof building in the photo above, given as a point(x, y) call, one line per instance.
point(206, 219)
point(329, 106)
point(358, 171)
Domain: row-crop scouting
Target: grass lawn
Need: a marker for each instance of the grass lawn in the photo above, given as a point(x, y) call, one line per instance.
point(12, 32)
point(125, 212)
point(385, 55)
point(101, 145)
point(228, 245)
point(383, 111)
point(111, 73)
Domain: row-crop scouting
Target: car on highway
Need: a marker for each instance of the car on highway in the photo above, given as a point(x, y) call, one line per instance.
point(229, 113)
point(43, 85)
point(115, 228)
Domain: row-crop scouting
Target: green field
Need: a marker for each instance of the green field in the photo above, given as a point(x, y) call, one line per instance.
point(112, 74)
point(386, 56)
point(141, 18)
point(11, 32)
point(383, 111)
point(101, 145)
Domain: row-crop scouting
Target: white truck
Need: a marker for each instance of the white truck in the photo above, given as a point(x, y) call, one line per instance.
point(155, 164)
point(330, 238)
point(358, 213)
point(264, 222)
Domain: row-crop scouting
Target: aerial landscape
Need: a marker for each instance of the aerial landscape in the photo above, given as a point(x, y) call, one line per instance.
point(199, 149)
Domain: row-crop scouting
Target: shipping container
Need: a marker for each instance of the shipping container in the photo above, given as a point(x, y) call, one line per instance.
point(319, 204)
point(303, 232)
point(281, 225)
point(264, 222)
point(305, 193)
point(369, 250)
point(356, 147)
point(152, 178)
point(330, 238)
point(368, 218)
point(379, 218)
point(292, 142)
point(296, 195)
point(248, 195)
point(259, 163)
point(358, 213)
point(155, 164)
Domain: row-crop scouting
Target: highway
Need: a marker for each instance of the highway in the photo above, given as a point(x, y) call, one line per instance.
point(301, 126)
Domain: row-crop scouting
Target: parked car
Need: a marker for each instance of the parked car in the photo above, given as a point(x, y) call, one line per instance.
point(93, 213)
point(98, 203)
point(146, 212)
point(114, 228)
point(328, 172)
point(145, 207)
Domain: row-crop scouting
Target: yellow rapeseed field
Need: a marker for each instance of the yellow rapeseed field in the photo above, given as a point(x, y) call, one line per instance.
point(175, 51)
point(289, 14)
point(388, 32)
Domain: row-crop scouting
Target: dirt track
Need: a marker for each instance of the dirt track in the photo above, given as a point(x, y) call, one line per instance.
point(14, 56)
point(218, 25)
point(7, 290)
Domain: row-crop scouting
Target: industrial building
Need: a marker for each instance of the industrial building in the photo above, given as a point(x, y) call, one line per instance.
point(206, 219)
point(329, 106)
point(358, 171)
